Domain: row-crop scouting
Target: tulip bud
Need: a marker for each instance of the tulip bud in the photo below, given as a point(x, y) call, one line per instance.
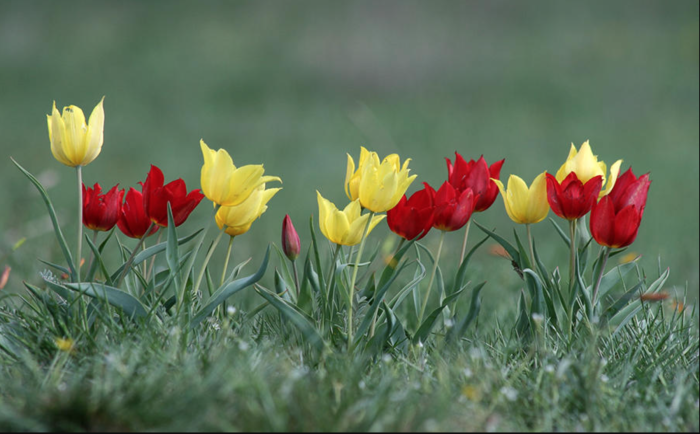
point(290, 239)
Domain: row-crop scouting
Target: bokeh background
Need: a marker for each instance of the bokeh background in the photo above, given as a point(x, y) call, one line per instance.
point(297, 85)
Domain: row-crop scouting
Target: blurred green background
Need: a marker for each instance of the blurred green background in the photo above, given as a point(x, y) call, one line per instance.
point(297, 85)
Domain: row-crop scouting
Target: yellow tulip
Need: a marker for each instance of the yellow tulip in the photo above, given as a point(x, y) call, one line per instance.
point(587, 166)
point(525, 205)
point(352, 176)
point(343, 227)
point(379, 186)
point(239, 218)
point(73, 142)
point(226, 185)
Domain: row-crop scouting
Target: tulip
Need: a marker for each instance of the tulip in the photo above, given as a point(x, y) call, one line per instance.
point(383, 184)
point(352, 176)
point(615, 219)
point(476, 175)
point(572, 199)
point(343, 227)
point(226, 185)
point(73, 142)
point(101, 211)
point(156, 197)
point(586, 166)
point(453, 208)
point(291, 245)
point(133, 221)
point(239, 218)
point(525, 205)
point(412, 218)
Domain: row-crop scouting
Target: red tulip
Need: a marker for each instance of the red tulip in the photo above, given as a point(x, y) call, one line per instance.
point(572, 199)
point(477, 176)
point(133, 221)
point(452, 207)
point(291, 245)
point(615, 219)
point(413, 217)
point(101, 211)
point(156, 197)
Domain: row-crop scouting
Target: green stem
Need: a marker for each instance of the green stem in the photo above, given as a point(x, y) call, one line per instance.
point(606, 254)
point(153, 259)
point(572, 257)
point(79, 171)
point(464, 243)
point(432, 277)
point(228, 257)
point(354, 277)
point(296, 278)
point(195, 288)
point(128, 263)
point(532, 250)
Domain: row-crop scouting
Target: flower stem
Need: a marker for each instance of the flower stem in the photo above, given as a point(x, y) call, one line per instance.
point(532, 250)
point(79, 171)
point(464, 243)
point(228, 257)
point(572, 257)
point(195, 288)
point(128, 263)
point(354, 278)
point(153, 259)
point(432, 277)
point(296, 278)
point(606, 254)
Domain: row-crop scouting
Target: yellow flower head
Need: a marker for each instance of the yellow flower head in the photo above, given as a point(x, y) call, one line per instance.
point(73, 142)
point(343, 227)
point(239, 218)
point(379, 186)
point(65, 344)
point(587, 166)
point(352, 176)
point(525, 205)
point(226, 185)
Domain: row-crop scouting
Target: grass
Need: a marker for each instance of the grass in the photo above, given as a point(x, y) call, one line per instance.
point(296, 87)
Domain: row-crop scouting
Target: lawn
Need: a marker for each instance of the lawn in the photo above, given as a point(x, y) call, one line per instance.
point(296, 87)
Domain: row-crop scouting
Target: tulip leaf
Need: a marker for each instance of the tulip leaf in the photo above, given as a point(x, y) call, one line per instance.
point(54, 220)
point(389, 274)
point(286, 273)
point(613, 277)
point(418, 276)
point(424, 330)
point(221, 294)
point(512, 251)
point(458, 330)
point(538, 299)
point(56, 266)
point(561, 233)
point(97, 261)
point(524, 258)
point(314, 245)
point(621, 318)
point(290, 312)
point(522, 324)
point(153, 250)
point(462, 271)
point(116, 297)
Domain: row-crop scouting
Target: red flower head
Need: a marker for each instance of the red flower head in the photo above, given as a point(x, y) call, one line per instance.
point(572, 199)
point(452, 207)
point(101, 211)
point(133, 221)
point(477, 176)
point(615, 219)
point(413, 217)
point(291, 245)
point(156, 197)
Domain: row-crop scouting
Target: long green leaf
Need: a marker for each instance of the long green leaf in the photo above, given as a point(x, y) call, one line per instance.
point(54, 219)
point(458, 330)
point(306, 328)
point(512, 251)
point(226, 291)
point(116, 297)
point(428, 323)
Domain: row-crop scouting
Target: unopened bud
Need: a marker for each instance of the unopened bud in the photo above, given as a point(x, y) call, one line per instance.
point(290, 239)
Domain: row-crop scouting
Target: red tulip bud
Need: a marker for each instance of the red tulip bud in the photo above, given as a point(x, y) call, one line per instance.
point(290, 239)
